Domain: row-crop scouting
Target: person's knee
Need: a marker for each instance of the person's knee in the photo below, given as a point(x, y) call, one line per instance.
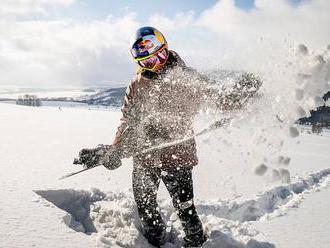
point(183, 198)
point(188, 214)
point(183, 204)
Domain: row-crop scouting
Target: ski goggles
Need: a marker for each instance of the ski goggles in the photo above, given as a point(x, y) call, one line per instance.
point(155, 60)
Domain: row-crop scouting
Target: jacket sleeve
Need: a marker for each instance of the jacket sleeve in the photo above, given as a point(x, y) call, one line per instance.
point(205, 91)
point(235, 97)
point(125, 138)
point(229, 98)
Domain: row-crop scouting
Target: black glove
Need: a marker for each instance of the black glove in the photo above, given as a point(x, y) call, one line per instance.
point(88, 157)
point(104, 155)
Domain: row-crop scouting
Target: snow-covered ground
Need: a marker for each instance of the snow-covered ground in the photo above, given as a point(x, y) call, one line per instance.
point(305, 226)
point(238, 206)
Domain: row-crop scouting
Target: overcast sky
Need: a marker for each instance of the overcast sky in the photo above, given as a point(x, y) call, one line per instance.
point(54, 43)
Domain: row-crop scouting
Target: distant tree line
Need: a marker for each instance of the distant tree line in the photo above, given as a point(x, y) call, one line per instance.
point(29, 100)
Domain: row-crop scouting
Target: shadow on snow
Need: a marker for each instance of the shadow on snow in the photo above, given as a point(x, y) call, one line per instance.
point(76, 204)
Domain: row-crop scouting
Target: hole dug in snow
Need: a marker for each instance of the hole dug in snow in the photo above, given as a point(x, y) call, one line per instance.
point(115, 219)
point(76, 204)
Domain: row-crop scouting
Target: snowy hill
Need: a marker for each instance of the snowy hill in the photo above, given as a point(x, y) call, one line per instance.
point(107, 97)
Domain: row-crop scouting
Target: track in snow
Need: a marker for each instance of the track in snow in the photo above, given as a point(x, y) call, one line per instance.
point(115, 219)
point(266, 203)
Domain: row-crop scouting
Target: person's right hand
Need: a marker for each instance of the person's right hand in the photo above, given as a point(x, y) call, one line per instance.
point(104, 155)
point(88, 157)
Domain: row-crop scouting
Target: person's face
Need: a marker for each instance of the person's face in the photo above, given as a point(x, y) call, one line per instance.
point(156, 61)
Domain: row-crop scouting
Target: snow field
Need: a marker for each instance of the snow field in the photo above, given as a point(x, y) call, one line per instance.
point(229, 196)
point(310, 223)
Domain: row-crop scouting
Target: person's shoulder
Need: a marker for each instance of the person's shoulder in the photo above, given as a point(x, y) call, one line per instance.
point(174, 53)
point(174, 58)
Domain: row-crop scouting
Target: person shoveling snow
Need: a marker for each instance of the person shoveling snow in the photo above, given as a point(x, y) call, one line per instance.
point(159, 107)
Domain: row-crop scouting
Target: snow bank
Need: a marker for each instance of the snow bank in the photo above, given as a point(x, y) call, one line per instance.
point(114, 217)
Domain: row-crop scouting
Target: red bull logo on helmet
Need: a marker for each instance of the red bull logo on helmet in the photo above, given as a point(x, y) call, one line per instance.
point(149, 44)
point(146, 45)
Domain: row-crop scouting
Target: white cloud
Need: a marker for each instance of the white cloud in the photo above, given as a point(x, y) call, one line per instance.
point(58, 51)
point(66, 51)
point(238, 37)
point(308, 22)
point(25, 8)
point(180, 21)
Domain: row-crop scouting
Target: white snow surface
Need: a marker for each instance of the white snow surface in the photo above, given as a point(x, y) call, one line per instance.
point(252, 177)
point(37, 210)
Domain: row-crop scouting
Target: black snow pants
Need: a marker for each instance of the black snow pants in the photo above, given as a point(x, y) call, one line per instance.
point(179, 184)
